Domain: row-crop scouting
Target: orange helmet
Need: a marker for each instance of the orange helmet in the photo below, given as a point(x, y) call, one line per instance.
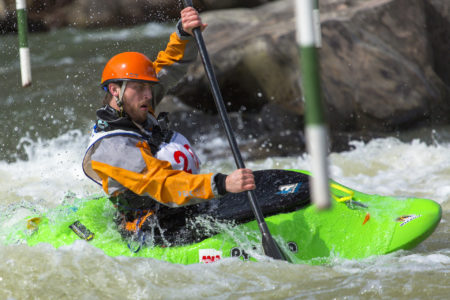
point(129, 66)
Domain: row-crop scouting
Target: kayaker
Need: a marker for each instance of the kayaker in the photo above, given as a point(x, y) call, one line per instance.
point(149, 171)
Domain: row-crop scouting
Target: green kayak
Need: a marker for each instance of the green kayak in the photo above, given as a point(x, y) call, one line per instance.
point(357, 226)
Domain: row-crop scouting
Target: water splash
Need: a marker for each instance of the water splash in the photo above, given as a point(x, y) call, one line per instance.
point(51, 170)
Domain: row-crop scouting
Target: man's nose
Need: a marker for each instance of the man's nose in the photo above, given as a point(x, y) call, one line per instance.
point(148, 93)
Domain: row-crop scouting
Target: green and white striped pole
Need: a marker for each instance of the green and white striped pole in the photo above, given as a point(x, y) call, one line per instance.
point(316, 129)
point(24, 51)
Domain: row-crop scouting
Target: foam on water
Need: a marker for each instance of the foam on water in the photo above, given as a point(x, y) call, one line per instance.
point(48, 272)
point(53, 169)
point(384, 166)
point(390, 167)
point(150, 30)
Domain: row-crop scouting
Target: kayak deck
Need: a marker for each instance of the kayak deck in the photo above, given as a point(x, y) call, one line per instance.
point(357, 226)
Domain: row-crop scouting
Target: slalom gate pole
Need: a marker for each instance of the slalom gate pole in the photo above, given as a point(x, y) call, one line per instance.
point(24, 50)
point(307, 20)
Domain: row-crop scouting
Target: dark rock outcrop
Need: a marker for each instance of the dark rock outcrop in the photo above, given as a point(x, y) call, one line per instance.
point(378, 66)
point(50, 14)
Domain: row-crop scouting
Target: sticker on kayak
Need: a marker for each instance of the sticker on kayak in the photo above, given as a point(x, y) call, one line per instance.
point(236, 252)
point(33, 223)
point(81, 231)
point(209, 255)
point(289, 188)
point(407, 219)
point(292, 247)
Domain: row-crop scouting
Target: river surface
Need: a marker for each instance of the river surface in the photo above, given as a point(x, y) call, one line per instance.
point(45, 130)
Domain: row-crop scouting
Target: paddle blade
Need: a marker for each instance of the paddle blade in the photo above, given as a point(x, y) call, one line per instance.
point(272, 249)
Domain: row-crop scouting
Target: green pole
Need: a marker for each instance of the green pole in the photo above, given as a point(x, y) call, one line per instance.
point(24, 50)
point(308, 38)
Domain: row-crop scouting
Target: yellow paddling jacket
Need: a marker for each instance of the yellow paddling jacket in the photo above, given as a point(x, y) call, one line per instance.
point(124, 157)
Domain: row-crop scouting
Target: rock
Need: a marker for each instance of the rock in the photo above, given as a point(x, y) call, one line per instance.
point(94, 14)
point(269, 132)
point(223, 4)
point(51, 14)
point(254, 57)
point(438, 29)
point(377, 67)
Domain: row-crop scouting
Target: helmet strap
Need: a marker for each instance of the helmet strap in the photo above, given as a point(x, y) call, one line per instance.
point(119, 100)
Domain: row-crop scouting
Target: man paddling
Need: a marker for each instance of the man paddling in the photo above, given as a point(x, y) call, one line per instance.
point(147, 169)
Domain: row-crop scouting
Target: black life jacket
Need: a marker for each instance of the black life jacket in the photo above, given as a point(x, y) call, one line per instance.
point(155, 133)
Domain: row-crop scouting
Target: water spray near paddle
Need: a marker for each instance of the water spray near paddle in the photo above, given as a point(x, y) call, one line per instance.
point(269, 245)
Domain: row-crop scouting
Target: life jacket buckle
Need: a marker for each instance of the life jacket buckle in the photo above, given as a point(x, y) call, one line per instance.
point(163, 120)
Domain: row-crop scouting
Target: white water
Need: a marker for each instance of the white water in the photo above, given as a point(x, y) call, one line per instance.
point(383, 166)
point(52, 170)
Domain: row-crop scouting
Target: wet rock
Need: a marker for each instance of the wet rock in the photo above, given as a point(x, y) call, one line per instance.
point(270, 132)
point(255, 59)
point(222, 4)
point(378, 66)
point(51, 14)
point(438, 29)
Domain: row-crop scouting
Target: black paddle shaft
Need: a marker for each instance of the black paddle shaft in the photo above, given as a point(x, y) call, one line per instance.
point(269, 245)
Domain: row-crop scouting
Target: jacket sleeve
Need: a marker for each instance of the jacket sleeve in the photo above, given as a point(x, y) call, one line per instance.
point(172, 63)
point(129, 164)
